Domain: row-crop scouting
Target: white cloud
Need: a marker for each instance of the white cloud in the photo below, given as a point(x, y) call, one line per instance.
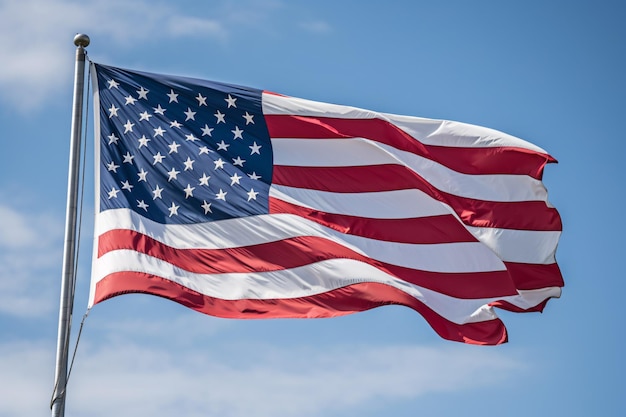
point(126, 379)
point(35, 38)
point(15, 230)
point(29, 252)
point(27, 371)
point(317, 26)
point(192, 26)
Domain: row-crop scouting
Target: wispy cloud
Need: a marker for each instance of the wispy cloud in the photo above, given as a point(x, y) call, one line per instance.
point(27, 370)
point(29, 251)
point(129, 379)
point(317, 27)
point(35, 37)
point(193, 26)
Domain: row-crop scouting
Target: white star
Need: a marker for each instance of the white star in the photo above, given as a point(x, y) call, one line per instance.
point(206, 206)
point(113, 138)
point(172, 174)
point(222, 146)
point(157, 192)
point(144, 116)
point(158, 158)
point(255, 149)
point(130, 100)
point(142, 204)
point(231, 101)
point(254, 176)
point(113, 193)
point(252, 194)
point(113, 111)
point(201, 100)
point(173, 209)
point(158, 131)
point(190, 114)
point(189, 191)
point(128, 127)
point(112, 167)
point(190, 137)
point(143, 141)
point(143, 93)
point(113, 84)
point(173, 96)
point(142, 175)
point(234, 179)
point(159, 110)
point(219, 163)
point(189, 164)
point(248, 118)
point(237, 132)
point(206, 130)
point(175, 124)
point(126, 185)
point(220, 117)
point(173, 147)
point(128, 158)
point(238, 161)
point(221, 195)
point(204, 149)
point(204, 180)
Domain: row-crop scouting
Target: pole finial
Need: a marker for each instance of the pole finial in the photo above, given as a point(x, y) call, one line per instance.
point(81, 40)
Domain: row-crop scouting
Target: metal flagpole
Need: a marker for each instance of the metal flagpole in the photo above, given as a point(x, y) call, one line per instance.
point(69, 251)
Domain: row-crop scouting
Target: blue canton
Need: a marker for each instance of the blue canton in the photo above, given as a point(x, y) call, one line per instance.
point(180, 150)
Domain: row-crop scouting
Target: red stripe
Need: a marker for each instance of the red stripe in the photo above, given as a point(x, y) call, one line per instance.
point(420, 230)
point(535, 276)
point(488, 160)
point(523, 215)
point(299, 251)
point(273, 93)
point(346, 300)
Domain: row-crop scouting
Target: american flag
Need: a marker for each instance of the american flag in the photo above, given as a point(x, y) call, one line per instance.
point(242, 203)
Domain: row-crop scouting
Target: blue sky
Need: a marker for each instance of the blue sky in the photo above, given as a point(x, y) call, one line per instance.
point(550, 72)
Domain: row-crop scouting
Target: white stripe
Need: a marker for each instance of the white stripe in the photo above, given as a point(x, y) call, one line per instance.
point(427, 131)
point(457, 134)
point(273, 104)
point(523, 246)
point(292, 283)
point(530, 298)
point(329, 152)
point(397, 204)
point(364, 152)
point(246, 231)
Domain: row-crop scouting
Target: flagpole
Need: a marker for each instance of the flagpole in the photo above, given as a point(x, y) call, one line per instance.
point(69, 251)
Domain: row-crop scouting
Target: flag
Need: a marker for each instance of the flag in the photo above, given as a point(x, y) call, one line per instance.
point(242, 203)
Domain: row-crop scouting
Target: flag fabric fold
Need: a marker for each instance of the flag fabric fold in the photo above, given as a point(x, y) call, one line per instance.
point(242, 203)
